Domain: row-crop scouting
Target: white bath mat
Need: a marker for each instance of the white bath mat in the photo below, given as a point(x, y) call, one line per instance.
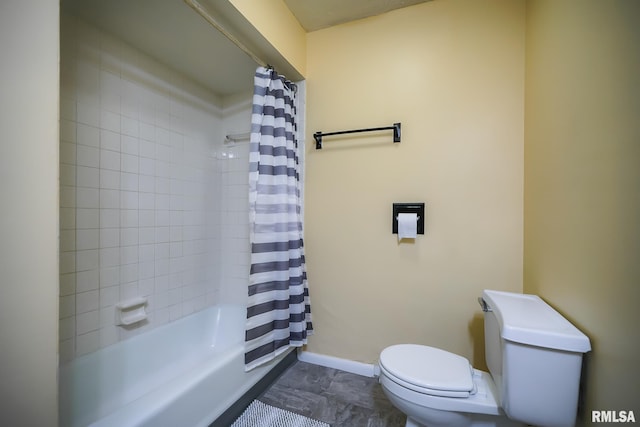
point(260, 414)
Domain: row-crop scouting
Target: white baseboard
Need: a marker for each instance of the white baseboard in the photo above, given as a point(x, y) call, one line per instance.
point(359, 368)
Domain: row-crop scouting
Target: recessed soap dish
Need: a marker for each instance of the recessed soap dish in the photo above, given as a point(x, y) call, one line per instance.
point(131, 311)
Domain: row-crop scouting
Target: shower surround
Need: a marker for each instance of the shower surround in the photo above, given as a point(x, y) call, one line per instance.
point(152, 204)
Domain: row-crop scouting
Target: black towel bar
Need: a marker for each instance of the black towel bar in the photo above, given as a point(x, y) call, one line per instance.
point(396, 133)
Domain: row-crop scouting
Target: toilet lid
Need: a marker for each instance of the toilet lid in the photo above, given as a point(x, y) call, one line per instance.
point(428, 370)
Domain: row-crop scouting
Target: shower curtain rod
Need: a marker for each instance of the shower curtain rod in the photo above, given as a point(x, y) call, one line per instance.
point(235, 137)
point(193, 4)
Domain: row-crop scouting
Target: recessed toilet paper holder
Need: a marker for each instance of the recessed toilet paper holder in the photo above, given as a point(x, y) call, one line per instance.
point(416, 208)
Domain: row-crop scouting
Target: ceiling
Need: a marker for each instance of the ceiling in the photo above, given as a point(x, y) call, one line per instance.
point(317, 14)
point(184, 42)
point(175, 35)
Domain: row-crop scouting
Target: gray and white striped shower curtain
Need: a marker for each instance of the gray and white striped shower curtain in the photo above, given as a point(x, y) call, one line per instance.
point(278, 311)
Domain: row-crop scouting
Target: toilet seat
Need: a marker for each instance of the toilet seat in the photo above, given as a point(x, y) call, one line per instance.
point(428, 370)
point(484, 401)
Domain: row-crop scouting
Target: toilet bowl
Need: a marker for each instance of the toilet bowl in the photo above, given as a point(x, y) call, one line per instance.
point(534, 357)
point(437, 388)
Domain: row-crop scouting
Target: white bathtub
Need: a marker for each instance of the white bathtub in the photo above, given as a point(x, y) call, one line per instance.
point(185, 373)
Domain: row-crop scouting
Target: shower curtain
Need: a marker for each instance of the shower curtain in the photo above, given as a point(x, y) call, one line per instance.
point(278, 310)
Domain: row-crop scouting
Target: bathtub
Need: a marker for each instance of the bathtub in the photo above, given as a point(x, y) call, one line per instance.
point(185, 373)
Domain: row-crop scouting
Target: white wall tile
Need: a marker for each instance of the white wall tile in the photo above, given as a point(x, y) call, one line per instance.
point(130, 163)
point(146, 253)
point(67, 284)
point(163, 217)
point(87, 156)
point(67, 240)
point(87, 260)
point(88, 113)
point(146, 201)
point(128, 290)
point(67, 350)
point(146, 183)
point(67, 153)
point(110, 160)
point(87, 301)
point(109, 218)
point(109, 199)
point(109, 179)
point(88, 177)
point(109, 296)
point(147, 166)
point(129, 181)
point(68, 131)
point(146, 235)
point(130, 145)
point(87, 239)
point(110, 121)
point(109, 276)
point(87, 280)
point(162, 251)
point(139, 193)
point(87, 343)
point(87, 322)
point(175, 312)
point(88, 135)
point(109, 257)
point(146, 270)
point(128, 200)
point(87, 218)
point(67, 108)
point(67, 262)
point(67, 306)
point(145, 287)
point(128, 274)
point(130, 126)
point(129, 237)
point(67, 328)
point(87, 198)
point(161, 268)
point(108, 335)
point(110, 140)
point(175, 234)
point(162, 234)
point(163, 169)
point(147, 131)
point(109, 237)
point(129, 255)
point(67, 175)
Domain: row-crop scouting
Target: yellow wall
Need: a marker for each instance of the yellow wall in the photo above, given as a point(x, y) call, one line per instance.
point(277, 24)
point(582, 182)
point(29, 34)
point(453, 73)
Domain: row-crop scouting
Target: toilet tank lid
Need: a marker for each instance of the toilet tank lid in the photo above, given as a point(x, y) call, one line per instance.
point(527, 319)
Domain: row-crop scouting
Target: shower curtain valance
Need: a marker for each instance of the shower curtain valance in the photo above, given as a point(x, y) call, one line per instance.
point(278, 311)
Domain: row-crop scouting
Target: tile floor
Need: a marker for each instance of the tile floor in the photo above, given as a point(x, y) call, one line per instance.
point(338, 398)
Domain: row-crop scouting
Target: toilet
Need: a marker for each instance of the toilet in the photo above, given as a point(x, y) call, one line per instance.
point(534, 356)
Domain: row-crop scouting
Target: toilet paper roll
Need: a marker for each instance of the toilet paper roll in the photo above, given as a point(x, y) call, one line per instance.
point(407, 226)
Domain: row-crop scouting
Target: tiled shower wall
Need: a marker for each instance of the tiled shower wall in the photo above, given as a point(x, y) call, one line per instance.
point(151, 202)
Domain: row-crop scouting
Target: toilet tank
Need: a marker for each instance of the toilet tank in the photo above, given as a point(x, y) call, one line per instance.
point(534, 355)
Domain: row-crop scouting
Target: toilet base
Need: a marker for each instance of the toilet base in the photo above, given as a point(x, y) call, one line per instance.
point(473, 422)
point(422, 416)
